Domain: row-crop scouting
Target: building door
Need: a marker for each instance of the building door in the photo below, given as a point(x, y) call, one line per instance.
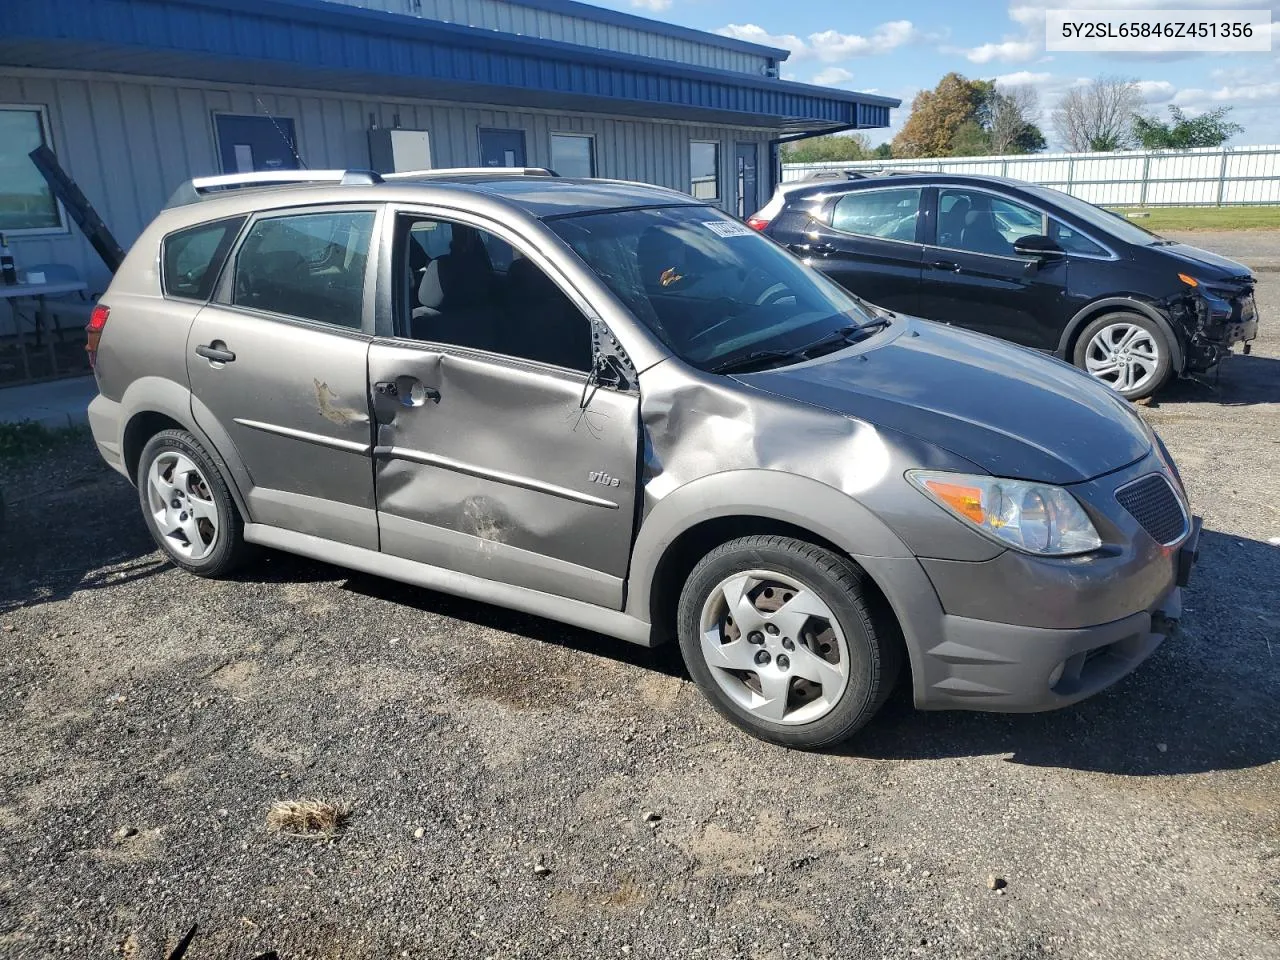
point(247, 144)
point(502, 148)
point(748, 183)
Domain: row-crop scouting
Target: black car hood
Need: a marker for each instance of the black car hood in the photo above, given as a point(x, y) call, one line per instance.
point(1012, 411)
point(1219, 268)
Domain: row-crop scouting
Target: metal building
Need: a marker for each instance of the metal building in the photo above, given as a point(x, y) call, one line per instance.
point(136, 96)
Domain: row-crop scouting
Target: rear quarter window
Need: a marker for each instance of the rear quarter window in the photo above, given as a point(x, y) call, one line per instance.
point(192, 258)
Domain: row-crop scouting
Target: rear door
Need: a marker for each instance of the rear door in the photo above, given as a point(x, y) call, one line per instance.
point(867, 241)
point(277, 363)
point(494, 455)
point(973, 279)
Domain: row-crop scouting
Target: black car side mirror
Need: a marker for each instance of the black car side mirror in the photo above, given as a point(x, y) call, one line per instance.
point(1038, 246)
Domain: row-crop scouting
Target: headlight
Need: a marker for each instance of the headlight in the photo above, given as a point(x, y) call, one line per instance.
point(1034, 517)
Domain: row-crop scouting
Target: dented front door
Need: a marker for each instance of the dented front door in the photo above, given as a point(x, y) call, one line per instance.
point(505, 470)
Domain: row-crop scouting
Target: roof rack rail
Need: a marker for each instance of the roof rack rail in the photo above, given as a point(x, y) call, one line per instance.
point(446, 172)
point(201, 187)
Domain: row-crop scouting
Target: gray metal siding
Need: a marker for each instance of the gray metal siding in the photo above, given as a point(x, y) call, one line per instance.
point(526, 21)
point(128, 143)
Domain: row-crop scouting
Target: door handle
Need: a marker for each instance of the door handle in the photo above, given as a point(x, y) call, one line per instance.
point(215, 352)
point(812, 249)
point(945, 265)
point(415, 394)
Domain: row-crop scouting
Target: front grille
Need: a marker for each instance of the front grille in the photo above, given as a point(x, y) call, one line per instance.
point(1154, 504)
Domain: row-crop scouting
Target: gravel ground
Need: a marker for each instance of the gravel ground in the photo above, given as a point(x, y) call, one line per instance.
point(521, 789)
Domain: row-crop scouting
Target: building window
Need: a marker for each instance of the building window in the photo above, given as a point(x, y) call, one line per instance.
point(573, 155)
point(26, 204)
point(704, 169)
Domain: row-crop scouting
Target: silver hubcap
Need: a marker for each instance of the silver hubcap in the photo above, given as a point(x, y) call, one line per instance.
point(774, 647)
point(182, 506)
point(1123, 356)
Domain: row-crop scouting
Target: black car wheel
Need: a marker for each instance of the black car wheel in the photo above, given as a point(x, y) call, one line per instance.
point(1128, 352)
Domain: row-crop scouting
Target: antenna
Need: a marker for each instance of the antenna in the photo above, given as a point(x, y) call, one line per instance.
point(289, 143)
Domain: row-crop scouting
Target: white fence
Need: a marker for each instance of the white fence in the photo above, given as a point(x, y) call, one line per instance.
point(1214, 176)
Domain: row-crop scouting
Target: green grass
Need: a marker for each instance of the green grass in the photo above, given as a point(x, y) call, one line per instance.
point(20, 441)
point(1160, 219)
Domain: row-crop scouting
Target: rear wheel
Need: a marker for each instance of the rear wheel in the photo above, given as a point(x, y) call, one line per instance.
point(781, 638)
point(188, 507)
point(1128, 352)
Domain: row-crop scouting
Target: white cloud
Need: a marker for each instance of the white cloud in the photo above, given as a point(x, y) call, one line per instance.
point(832, 77)
point(1008, 51)
point(755, 34)
point(828, 46)
point(1023, 78)
point(1156, 91)
point(654, 5)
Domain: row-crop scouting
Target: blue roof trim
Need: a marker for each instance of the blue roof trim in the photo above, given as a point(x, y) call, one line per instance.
point(316, 35)
point(617, 18)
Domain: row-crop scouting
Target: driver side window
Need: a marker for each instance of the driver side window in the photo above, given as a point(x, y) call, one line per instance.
point(980, 222)
point(468, 287)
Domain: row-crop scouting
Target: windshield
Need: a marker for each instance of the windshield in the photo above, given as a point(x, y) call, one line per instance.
point(1119, 227)
point(712, 289)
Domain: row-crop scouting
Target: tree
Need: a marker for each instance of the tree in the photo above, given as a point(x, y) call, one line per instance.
point(1211, 129)
point(937, 115)
point(854, 146)
point(1098, 115)
point(884, 152)
point(1009, 116)
point(970, 140)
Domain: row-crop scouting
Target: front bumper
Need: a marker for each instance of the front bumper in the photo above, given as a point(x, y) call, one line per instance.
point(1220, 325)
point(980, 665)
point(1024, 634)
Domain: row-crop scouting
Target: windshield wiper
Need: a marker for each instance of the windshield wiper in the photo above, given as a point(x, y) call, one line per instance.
point(842, 337)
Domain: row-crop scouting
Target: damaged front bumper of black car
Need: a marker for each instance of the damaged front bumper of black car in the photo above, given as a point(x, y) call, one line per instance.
point(1215, 317)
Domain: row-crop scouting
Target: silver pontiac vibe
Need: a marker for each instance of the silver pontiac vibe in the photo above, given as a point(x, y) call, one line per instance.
point(611, 405)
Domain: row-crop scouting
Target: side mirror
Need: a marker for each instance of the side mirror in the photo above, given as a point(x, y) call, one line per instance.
point(1038, 246)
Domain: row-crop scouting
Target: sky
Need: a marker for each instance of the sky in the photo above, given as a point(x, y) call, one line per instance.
point(898, 49)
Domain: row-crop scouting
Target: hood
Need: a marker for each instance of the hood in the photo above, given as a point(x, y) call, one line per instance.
point(1012, 411)
point(1209, 266)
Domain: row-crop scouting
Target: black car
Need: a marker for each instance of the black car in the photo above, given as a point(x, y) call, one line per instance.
point(1026, 263)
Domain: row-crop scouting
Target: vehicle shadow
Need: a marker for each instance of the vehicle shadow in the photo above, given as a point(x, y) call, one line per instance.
point(62, 533)
point(664, 659)
point(1205, 701)
point(1240, 381)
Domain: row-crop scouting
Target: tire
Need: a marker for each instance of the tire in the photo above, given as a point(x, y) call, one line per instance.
point(197, 524)
point(822, 598)
point(1128, 352)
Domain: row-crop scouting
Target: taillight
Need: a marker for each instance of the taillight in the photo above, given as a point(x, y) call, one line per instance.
point(97, 323)
point(757, 223)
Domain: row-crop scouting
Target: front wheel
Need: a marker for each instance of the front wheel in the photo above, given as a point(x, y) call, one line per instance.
point(781, 637)
point(1128, 352)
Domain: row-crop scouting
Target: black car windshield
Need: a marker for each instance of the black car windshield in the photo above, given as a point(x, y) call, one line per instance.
point(712, 289)
point(1114, 224)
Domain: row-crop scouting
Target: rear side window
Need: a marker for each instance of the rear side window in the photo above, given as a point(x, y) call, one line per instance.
point(193, 257)
point(889, 214)
point(310, 266)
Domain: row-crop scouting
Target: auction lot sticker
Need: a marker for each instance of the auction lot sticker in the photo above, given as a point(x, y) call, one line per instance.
point(1158, 31)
